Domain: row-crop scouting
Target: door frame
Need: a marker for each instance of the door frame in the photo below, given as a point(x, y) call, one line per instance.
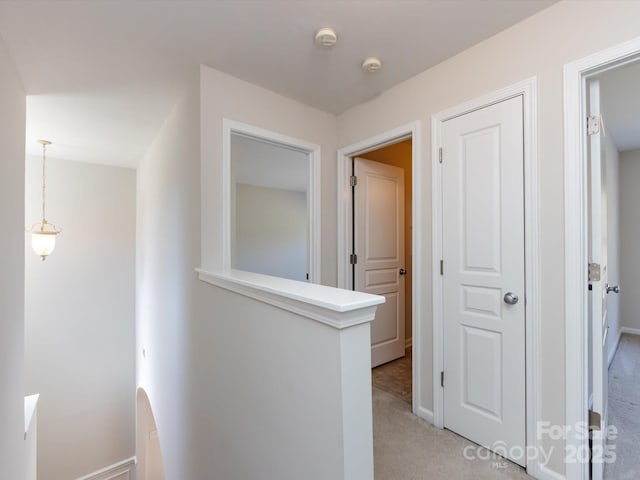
point(528, 89)
point(576, 237)
point(411, 130)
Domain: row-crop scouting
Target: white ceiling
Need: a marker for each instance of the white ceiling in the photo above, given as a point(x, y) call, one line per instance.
point(103, 75)
point(620, 98)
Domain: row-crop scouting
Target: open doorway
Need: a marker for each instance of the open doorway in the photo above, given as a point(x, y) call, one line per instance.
point(397, 148)
point(602, 170)
point(382, 258)
point(613, 323)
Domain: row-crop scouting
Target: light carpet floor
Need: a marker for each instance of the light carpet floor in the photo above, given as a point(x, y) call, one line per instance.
point(395, 377)
point(408, 448)
point(624, 410)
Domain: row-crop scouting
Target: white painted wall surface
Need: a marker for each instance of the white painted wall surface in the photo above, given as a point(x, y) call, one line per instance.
point(238, 388)
point(223, 96)
point(537, 46)
point(630, 239)
point(12, 133)
point(273, 405)
point(80, 317)
point(613, 241)
point(167, 306)
point(271, 231)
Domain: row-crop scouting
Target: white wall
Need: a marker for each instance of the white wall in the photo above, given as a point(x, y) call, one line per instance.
point(613, 241)
point(538, 46)
point(168, 250)
point(223, 96)
point(630, 239)
point(80, 317)
point(238, 388)
point(271, 231)
point(12, 128)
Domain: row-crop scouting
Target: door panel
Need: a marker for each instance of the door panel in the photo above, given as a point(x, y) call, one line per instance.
point(483, 253)
point(379, 244)
point(482, 379)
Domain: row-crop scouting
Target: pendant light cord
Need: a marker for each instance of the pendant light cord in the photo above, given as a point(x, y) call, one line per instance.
point(44, 149)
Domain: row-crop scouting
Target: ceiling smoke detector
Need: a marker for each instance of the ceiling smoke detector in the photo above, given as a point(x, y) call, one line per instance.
point(372, 64)
point(326, 37)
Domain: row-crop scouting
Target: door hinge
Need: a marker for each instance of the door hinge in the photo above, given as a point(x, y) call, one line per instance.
point(353, 259)
point(595, 421)
point(442, 379)
point(353, 180)
point(440, 154)
point(594, 272)
point(441, 267)
point(593, 125)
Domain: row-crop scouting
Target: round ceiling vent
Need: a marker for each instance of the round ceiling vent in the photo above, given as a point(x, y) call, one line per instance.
point(326, 37)
point(372, 64)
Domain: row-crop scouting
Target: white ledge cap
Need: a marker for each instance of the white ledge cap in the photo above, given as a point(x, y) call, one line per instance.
point(30, 404)
point(333, 306)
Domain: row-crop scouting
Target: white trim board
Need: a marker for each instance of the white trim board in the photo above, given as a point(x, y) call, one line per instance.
point(313, 195)
point(630, 331)
point(528, 89)
point(334, 307)
point(413, 131)
point(118, 471)
point(575, 197)
point(612, 354)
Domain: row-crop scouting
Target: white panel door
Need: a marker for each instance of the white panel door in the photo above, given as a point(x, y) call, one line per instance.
point(379, 245)
point(483, 253)
point(598, 293)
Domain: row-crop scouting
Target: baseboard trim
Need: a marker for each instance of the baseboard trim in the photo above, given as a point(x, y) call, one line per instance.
point(408, 342)
point(630, 331)
point(122, 470)
point(613, 351)
point(425, 414)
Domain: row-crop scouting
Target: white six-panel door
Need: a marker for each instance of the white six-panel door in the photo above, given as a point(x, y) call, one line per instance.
point(379, 245)
point(483, 277)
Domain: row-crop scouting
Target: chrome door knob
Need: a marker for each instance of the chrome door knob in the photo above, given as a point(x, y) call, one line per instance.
point(613, 288)
point(403, 271)
point(510, 298)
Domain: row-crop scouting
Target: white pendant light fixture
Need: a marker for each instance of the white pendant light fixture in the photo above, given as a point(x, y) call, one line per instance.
point(43, 233)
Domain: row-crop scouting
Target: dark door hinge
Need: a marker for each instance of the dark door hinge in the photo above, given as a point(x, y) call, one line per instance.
point(353, 259)
point(353, 180)
point(441, 267)
point(442, 379)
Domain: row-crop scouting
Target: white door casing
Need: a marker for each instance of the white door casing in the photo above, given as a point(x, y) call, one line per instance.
point(597, 248)
point(379, 246)
point(483, 253)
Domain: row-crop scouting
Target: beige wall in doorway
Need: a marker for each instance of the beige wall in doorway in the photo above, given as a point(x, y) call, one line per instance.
point(399, 155)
